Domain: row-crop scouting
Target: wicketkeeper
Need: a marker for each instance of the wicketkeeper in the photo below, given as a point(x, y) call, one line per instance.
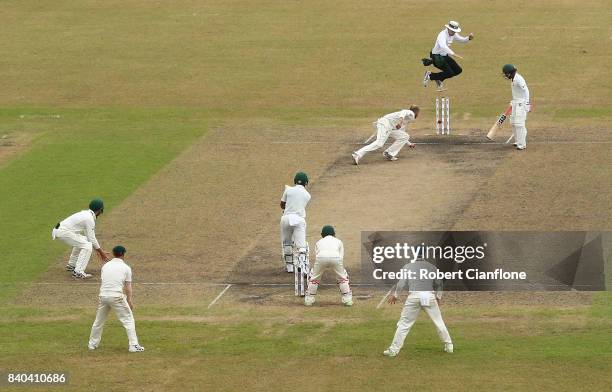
point(330, 255)
point(394, 125)
point(441, 56)
point(79, 232)
point(424, 294)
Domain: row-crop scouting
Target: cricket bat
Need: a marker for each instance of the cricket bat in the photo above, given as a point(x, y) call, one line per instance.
point(499, 123)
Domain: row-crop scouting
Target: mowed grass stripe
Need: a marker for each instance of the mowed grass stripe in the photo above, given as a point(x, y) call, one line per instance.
point(551, 352)
point(83, 154)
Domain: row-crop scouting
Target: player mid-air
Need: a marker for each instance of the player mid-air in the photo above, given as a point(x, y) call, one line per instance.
point(394, 125)
point(441, 56)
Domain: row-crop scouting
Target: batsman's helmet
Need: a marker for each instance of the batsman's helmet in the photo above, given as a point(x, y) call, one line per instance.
point(300, 178)
point(119, 250)
point(508, 70)
point(327, 230)
point(96, 205)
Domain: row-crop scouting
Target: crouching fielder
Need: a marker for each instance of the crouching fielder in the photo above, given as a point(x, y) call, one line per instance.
point(330, 255)
point(116, 294)
point(394, 125)
point(423, 294)
point(79, 232)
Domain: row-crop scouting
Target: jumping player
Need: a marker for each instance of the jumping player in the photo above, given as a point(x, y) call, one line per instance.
point(394, 125)
point(441, 56)
point(520, 105)
point(293, 222)
point(330, 255)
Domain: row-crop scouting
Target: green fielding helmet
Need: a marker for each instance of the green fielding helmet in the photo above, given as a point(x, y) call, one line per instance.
point(327, 230)
point(300, 178)
point(118, 250)
point(96, 205)
point(508, 69)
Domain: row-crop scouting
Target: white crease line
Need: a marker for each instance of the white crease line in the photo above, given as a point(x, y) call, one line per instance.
point(457, 143)
point(384, 298)
point(214, 301)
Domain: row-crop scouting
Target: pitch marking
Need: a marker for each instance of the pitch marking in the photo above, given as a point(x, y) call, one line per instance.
point(214, 301)
point(384, 298)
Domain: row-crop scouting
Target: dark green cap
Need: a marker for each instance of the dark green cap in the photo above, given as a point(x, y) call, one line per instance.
point(508, 68)
point(96, 205)
point(327, 230)
point(118, 250)
point(300, 178)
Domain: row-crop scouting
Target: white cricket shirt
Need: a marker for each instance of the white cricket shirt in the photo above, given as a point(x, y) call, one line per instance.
point(329, 247)
point(296, 198)
point(443, 42)
point(520, 92)
point(83, 222)
point(114, 275)
point(398, 120)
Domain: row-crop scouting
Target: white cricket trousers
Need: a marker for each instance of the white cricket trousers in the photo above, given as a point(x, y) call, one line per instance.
point(383, 131)
point(411, 310)
point(293, 230)
point(81, 248)
point(335, 264)
point(124, 314)
point(519, 116)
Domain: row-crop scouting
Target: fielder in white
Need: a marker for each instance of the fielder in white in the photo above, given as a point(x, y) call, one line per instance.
point(520, 105)
point(423, 294)
point(79, 232)
point(293, 222)
point(330, 255)
point(116, 294)
point(394, 125)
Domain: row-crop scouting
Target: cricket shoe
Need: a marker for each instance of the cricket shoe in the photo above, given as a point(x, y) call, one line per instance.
point(389, 157)
point(355, 158)
point(440, 85)
point(289, 268)
point(81, 275)
point(69, 267)
point(390, 353)
point(426, 78)
point(520, 148)
point(136, 348)
point(347, 301)
point(309, 300)
point(448, 347)
point(91, 347)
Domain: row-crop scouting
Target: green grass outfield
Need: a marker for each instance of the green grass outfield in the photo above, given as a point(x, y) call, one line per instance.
point(77, 156)
point(506, 348)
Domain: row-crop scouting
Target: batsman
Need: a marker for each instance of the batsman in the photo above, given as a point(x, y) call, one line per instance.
point(520, 105)
point(293, 222)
